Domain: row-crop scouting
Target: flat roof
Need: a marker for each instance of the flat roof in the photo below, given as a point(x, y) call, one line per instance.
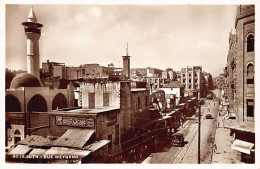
point(87, 111)
point(138, 89)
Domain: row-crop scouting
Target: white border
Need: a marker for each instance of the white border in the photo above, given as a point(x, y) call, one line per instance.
point(125, 2)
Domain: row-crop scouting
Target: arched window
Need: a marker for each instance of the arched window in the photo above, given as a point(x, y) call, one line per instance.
point(250, 43)
point(37, 104)
point(250, 74)
point(12, 104)
point(17, 132)
point(59, 102)
point(17, 136)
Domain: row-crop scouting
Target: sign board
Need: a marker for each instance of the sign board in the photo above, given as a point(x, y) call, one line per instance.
point(87, 122)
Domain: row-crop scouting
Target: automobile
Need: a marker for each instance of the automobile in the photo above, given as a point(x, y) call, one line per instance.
point(209, 116)
point(178, 139)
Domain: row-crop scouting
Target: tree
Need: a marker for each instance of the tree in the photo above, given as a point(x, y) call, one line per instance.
point(9, 75)
point(210, 83)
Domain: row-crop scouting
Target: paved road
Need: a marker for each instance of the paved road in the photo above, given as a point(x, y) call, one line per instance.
point(188, 153)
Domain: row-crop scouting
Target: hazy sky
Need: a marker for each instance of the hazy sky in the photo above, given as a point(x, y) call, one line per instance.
point(159, 36)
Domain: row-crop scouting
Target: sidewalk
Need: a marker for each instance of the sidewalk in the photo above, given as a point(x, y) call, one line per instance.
point(224, 154)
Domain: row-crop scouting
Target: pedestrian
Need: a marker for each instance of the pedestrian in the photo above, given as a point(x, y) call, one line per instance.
point(215, 148)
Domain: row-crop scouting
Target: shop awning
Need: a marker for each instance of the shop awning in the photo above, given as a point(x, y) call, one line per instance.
point(61, 151)
point(76, 138)
point(242, 146)
point(20, 150)
point(244, 127)
point(96, 145)
point(35, 140)
point(38, 151)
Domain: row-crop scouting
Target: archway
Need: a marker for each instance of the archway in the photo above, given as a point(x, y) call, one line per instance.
point(59, 101)
point(37, 104)
point(12, 104)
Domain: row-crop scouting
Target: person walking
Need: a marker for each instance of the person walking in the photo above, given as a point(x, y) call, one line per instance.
point(215, 148)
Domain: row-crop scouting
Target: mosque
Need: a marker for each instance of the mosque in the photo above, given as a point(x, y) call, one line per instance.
point(27, 93)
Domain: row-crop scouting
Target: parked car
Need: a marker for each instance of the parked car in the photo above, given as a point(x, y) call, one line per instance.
point(178, 139)
point(209, 116)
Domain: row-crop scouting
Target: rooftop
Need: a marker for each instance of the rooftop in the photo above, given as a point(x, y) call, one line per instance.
point(138, 89)
point(172, 84)
point(86, 111)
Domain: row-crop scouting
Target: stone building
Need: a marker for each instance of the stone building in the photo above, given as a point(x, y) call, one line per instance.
point(53, 70)
point(191, 79)
point(174, 88)
point(241, 80)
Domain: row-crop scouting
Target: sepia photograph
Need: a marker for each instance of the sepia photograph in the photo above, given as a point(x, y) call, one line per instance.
point(129, 83)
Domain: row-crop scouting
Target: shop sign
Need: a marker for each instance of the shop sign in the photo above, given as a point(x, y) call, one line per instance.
point(75, 121)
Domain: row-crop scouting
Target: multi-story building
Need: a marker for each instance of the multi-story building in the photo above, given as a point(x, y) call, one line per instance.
point(191, 79)
point(145, 73)
point(88, 71)
point(53, 69)
point(240, 80)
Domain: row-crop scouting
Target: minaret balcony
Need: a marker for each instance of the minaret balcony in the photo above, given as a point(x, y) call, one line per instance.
point(32, 30)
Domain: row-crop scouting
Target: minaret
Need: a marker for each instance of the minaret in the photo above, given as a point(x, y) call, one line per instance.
point(33, 32)
point(126, 65)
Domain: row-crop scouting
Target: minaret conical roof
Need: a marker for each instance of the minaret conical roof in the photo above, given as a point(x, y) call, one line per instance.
point(32, 17)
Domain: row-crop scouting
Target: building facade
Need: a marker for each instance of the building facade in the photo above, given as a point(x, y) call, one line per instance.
point(191, 78)
point(241, 80)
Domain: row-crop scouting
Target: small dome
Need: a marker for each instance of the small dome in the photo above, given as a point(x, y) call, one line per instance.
point(25, 80)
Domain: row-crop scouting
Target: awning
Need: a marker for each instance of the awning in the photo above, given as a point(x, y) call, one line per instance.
point(20, 150)
point(242, 146)
point(244, 127)
point(67, 152)
point(38, 151)
point(35, 140)
point(96, 145)
point(76, 138)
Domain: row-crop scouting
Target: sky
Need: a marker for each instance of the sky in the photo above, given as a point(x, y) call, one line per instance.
point(160, 36)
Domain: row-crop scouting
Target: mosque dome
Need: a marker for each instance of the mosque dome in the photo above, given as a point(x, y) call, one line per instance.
point(25, 80)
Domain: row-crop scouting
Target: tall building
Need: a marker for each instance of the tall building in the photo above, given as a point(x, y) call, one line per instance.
point(240, 81)
point(33, 32)
point(191, 79)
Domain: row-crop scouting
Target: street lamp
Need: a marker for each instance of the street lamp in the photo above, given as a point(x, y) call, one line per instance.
point(199, 133)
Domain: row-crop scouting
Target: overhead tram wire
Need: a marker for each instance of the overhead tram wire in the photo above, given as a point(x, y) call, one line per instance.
point(104, 151)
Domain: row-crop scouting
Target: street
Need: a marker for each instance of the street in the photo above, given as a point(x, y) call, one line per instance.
point(188, 153)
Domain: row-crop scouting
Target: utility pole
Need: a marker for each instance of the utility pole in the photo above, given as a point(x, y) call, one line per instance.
point(199, 133)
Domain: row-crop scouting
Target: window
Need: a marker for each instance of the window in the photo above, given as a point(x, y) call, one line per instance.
point(250, 108)
point(189, 86)
point(147, 100)
point(138, 102)
point(250, 43)
point(117, 134)
point(190, 81)
point(110, 144)
point(91, 100)
point(250, 74)
point(17, 136)
point(106, 99)
point(184, 81)
point(189, 75)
